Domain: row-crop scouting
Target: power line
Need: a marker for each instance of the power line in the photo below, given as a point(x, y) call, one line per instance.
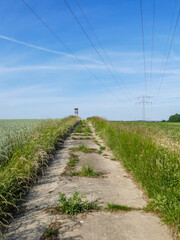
point(167, 40)
point(152, 44)
point(66, 47)
point(144, 57)
point(162, 77)
point(89, 39)
point(101, 46)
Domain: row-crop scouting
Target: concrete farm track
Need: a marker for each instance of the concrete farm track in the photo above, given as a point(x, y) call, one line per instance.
point(116, 187)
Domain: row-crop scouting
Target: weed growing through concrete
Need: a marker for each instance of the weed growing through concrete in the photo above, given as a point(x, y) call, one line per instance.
point(88, 171)
point(81, 138)
point(51, 232)
point(75, 204)
point(50, 192)
point(82, 134)
point(96, 142)
point(116, 207)
point(73, 160)
point(101, 149)
point(82, 148)
point(84, 129)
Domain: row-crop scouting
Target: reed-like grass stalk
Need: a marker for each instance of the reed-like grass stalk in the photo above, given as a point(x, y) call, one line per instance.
point(26, 160)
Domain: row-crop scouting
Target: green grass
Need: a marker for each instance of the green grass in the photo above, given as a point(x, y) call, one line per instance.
point(101, 149)
point(86, 171)
point(97, 142)
point(116, 207)
point(79, 129)
point(81, 138)
point(82, 148)
point(27, 159)
point(156, 167)
point(11, 128)
point(82, 134)
point(163, 133)
point(84, 129)
point(50, 232)
point(75, 204)
point(73, 160)
point(13, 132)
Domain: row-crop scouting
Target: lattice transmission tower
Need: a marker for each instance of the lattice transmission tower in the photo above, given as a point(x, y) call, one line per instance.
point(143, 102)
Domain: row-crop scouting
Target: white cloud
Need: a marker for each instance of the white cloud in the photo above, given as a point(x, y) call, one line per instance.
point(46, 49)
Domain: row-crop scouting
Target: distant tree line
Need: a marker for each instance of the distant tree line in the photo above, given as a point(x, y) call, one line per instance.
point(174, 118)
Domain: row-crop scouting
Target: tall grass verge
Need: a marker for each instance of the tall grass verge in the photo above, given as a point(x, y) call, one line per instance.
point(156, 167)
point(28, 157)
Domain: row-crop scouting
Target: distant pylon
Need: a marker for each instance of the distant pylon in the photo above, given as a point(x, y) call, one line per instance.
point(144, 102)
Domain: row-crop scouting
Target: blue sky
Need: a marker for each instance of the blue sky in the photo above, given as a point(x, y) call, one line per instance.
point(40, 79)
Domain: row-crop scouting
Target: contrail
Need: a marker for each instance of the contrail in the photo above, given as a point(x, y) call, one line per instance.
point(43, 49)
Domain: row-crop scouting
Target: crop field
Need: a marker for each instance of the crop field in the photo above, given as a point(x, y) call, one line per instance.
point(166, 134)
point(150, 152)
point(26, 148)
point(12, 128)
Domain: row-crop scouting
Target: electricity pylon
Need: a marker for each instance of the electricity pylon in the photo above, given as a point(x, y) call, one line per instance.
point(144, 102)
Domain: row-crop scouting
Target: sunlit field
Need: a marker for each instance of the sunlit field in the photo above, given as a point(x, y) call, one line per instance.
point(13, 128)
point(150, 152)
point(166, 134)
point(26, 148)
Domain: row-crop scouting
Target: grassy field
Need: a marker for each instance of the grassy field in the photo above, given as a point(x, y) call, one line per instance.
point(10, 130)
point(25, 155)
point(164, 133)
point(153, 163)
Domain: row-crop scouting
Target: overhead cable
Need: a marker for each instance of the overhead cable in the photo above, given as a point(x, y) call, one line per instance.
point(67, 48)
point(170, 47)
point(90, 41)
point(144, 57)
point(104, 51)
point(152, 45)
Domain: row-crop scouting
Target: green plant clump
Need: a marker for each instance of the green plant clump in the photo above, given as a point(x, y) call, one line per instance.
point(73, 160)
point(155, 167)
point(101, 149)
point(83, 128)
point(88, 171)
point(75, 204)
point(82, 148)
point(50, 232)
point(116, 207)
